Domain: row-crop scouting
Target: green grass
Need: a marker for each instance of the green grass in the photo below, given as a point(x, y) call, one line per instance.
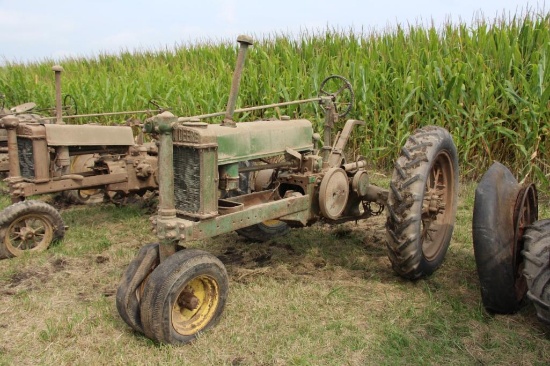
point(488, 84)
point(326, 296)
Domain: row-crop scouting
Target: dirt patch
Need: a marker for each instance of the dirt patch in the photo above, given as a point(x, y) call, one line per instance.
point(344, 251)
point(28, 278)
point(59, 264)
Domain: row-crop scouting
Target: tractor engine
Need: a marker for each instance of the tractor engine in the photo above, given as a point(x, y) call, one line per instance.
point(207, 158)
point(48, 158)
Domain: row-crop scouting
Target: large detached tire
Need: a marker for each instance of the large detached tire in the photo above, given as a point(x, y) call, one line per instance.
point(497, 232)
point(185, 295)
point(265, 231)
point(130, 289)
point(422, 203)
point(537, 267)
point(29, 227)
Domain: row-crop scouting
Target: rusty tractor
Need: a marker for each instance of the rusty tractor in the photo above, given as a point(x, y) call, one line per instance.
point(511, 246)
point(28, 112)
point(24, 112)
point(46, 155)
point(260, 178)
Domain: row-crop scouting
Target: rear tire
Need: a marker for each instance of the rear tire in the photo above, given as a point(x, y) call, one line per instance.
point(537, 267)
point(185, 295)
point(422, 203)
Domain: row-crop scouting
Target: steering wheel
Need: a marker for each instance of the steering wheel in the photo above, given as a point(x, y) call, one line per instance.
point(69, 105)
point(340, 91)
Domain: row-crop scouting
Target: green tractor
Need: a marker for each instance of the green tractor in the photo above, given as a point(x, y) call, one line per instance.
point(261, 178)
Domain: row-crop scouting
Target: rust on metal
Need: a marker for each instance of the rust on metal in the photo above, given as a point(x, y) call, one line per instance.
point(187, 299)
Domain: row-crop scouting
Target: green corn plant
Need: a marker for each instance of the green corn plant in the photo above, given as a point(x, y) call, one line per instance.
point(488, 83)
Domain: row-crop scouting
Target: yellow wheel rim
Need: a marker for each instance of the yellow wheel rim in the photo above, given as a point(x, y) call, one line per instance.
point(196, 305)
point(85, 194)
point(272, 223)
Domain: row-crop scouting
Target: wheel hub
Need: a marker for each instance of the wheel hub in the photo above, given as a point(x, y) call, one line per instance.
point(188, 300)
point(434, 218)
point(195, 305)
point(434, 204)
point(26, 233)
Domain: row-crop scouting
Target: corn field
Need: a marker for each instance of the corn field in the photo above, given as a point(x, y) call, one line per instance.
point(488, 83)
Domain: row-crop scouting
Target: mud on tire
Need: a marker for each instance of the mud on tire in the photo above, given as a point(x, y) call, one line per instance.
point(185, 295)
point(422, 203)
point(502, 210)
point(130, 289)
point(29, 226)
point(537, 267)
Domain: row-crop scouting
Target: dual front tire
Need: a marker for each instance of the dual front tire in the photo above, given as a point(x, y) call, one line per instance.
point(176, 299)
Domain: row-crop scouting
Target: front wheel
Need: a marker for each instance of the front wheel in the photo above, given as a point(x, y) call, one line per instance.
point(422, 203)
point(184, 295)
point(130, 289)
point(29, 227)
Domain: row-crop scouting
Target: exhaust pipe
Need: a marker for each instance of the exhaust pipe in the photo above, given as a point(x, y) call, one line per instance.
point(244, 42)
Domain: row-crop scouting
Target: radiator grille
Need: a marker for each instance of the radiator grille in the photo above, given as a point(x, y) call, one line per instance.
point(26, 159)
point(187, 187)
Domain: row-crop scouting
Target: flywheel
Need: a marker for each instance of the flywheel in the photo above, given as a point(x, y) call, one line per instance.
point(333, 193)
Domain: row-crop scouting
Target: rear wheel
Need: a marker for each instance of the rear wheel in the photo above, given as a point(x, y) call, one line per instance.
point(184, 295)
point(29, 227)
point(537, 267)
point(422, 203)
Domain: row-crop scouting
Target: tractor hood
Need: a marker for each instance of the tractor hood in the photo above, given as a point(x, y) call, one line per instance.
point(248, 140)
point(88, 135)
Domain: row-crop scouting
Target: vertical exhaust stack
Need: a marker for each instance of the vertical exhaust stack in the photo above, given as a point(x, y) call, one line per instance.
point(58, 108)
point(244, 42)
point(63, 160)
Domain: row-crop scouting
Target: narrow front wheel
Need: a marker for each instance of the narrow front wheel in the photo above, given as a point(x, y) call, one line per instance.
point(184, 296)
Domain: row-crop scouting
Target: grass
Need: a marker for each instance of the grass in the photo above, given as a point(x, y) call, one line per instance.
point(318, 296)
